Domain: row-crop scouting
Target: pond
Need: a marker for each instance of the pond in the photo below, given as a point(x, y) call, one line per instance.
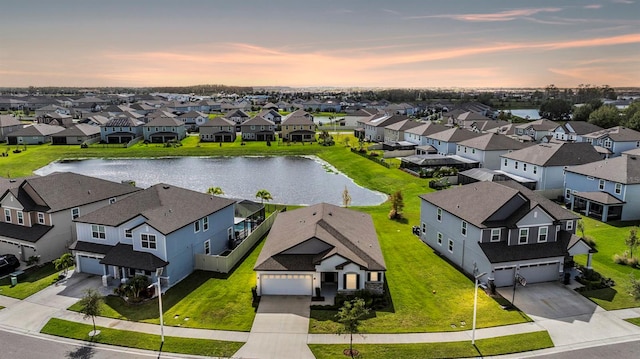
point(529, 114)
point(289, 179)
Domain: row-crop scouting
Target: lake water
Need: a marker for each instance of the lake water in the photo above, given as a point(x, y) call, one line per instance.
point(289, 179)
point(523, 113)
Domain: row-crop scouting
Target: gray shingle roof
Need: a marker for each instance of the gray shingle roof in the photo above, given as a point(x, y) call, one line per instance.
point(166, 208)
point(297, 120)
point(218, 121)
point(498, 252)
point(426, 129)
point(258, 121)
point(8, 121)
point(37, 129)
point(347, 233)
point(617, 133)
point(622, 169)
point(80, 129)
point(164, 121)
point(28, 234)
point(556, 154)
point(454, 135)
point(493, 142)
point(123, 255)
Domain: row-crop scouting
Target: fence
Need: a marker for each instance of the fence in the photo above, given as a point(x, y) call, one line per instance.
point(224, 264)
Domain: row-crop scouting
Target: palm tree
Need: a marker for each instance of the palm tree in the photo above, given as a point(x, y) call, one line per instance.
point(264, 195)
point(64, 263)
point(215, 191)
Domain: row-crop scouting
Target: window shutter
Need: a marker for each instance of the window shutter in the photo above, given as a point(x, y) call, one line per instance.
point(357, 281)
point(344, 281)
point(368, 276)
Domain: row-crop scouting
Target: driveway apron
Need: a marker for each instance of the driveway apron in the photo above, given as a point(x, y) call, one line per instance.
point(279, 329)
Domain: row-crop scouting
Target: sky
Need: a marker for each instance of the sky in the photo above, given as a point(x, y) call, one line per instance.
point(301, 43)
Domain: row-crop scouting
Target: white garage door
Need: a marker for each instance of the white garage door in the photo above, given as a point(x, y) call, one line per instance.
point(540, 272)
point(90, 265)
point(503, 276)
point(286, 284)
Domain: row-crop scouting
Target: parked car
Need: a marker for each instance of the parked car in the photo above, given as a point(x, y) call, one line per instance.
point(8, 263)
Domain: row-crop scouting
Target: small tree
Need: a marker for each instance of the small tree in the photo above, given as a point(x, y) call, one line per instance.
point(64, 263)
point(632, 241)
point(635, 286)
point(350, 316)
point(346, 197)
point(397, 205)
point(580, 227)
point(91, 306)
point(215, 191)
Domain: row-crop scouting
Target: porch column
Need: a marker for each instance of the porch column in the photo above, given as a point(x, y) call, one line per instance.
point(605, 213)
point(573, 202)
point(589, 260)
point(586, 209)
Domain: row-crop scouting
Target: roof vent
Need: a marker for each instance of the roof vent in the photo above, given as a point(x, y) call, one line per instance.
point(314, 213)
point(165, 187)
point(633, 157)
point(331, 214)
point(89, 192)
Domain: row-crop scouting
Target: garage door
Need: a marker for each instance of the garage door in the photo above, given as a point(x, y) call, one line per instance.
point(503, 276)
point(540, 272)
point(286, 284)
point(90, 265)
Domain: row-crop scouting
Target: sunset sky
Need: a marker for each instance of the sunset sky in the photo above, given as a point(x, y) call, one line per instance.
point(360, 43)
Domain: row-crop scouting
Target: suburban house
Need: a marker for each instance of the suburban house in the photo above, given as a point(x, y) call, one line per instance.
point(572, 131)
point(35, 134)
point(193, 119)
point(395, 132)
point(615, 139)
point(218, 129)
point(502, 229)
point(40, 112)
point(487, 149)
point(420, 134)
point(37, 213)
point(322, 248)
point(536, 130)
point(164, 129)
point(272, 115)
point(463, 119)
point(298, 129)
point(373, 127)
point(162, 226)
point(545, 163)
point(238, 116)
point(121, 130)
point(445, 142)
point(8, 124)
point(76, 135)
point(606, 190)
point(258, 129)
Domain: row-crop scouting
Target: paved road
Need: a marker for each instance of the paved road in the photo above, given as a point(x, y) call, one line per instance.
point(26, 346)
point(621, 350)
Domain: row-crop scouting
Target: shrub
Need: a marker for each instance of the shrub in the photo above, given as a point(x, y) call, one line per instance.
point(590, 241)
point(618, 259)
point(632, 262)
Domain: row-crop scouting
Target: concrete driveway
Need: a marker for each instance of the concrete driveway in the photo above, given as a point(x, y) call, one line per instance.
point(279, 329)
point(569, 317)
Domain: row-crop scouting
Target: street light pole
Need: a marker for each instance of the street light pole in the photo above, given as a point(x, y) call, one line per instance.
point(475, 309)
point(158, 274)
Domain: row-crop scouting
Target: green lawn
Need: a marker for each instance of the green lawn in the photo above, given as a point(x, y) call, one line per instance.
point(610, 241)
point(32, 281)
point(635, 321)
point(202, 300)
point(484, 347)
point(124, 338)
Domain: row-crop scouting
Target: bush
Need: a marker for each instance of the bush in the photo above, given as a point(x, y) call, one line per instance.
point(618, 259)
point(590, 241)
point(632, 262)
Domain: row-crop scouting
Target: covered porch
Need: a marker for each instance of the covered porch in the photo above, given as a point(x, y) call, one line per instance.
point(599, 205)
point(302, 136)
point(163, 137)
point(120, 137)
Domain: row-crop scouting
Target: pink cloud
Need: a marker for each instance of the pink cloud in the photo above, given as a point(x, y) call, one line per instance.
point(507, 15)
point(593, 6)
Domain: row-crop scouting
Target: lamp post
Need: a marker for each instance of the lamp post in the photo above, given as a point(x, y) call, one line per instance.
point(158, 274)
point(475, 308)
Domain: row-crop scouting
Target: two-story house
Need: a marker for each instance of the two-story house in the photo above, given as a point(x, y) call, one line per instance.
point(298, 129)
point(545, 163)
point(606, 190)
point(572, 131)
point(120, 130)
point(395, 132)
point(445, 142)
point(238, 116)
point(487, 149)
point(164, 129)
point(258, 129)
point(536, 130)
point(193, 119)
point(502, 229)
point(8, 124)
point(272, 115)
point(218, 129)
point(419, 135)
point(321, 247)
point(615, 139)
point(163, 226)
point(37, 213)
point(374, 126)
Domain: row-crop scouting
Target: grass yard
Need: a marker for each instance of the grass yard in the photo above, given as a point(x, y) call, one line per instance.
point(484, 347)
point(610, 241)
point(129, 339)
point(635, 321)
point(32, 281)
point(203, 300)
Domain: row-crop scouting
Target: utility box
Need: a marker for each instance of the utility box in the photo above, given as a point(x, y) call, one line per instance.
point(14, 280)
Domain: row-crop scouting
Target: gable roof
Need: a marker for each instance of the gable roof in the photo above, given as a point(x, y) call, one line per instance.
point(166, 208)
point(427, 128)
point(348, 233)
point(453, 135)
point(622, 169)
point(164, 121)
point(123, 122)
point(257, 121)
point(8, 121)
point(37, 129)
point(540, 125)
point(297, 120)
point(493, 142)
point(556, 154)
point(581, 127)
point(80, 129)
point(403, 125)
point(617, 133)
point(218, 121)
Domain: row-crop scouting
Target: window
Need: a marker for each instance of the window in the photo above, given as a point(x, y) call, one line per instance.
point(542, 234)
point(20, 217)
point(607, 143)
point(207, 247)
point(590, 178)
point(495, 235)
point(351, 281)
point(40, 218)
point(516, 165)
point(424, 228)
point(569, 225)
point(205, 223)
point(127, 233)
point(535, 169)
point(98, 232)
point(374, 276)
point(473, 150)
point(439, 214)
point(524, 167)
point(523, 235)
point(567, 193)
point(7, 215)
point(439, 238)
point(148, 240)
point(112, 200)
point(196, 226)
point(505, 162)
point(230, 233)
point(618, 188)
point(450, 245)
point(463, 228)
point(75, 213)
point(601, 184)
